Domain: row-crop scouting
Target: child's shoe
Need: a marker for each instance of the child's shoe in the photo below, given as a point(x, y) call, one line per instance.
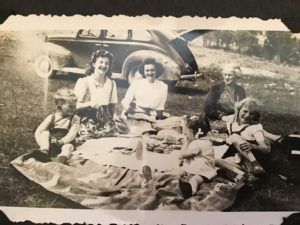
point(185, 188)
point(38, 155)
point(147, 173)
point(257, 169)
point(43, 156)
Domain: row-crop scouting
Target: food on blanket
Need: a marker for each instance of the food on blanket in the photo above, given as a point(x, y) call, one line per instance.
point(165, 144)
point(89, 130)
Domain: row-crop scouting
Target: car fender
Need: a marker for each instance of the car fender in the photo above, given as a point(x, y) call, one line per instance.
point(171, 69)
point(60, 56)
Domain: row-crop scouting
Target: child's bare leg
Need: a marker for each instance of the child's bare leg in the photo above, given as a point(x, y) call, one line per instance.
point(254, 166)
point(65, 154)
point(270, 136)
point(190, 188)
point(43, 140)
point(237, 141)
point(195, 182)
point(66, 150)
point(177, 171)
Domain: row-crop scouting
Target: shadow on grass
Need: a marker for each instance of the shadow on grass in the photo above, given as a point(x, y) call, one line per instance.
point(187, 91)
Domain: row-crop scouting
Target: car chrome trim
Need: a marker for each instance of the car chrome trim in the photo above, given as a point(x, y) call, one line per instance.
point(128, 42)
point(190, 76)
point(73, 70)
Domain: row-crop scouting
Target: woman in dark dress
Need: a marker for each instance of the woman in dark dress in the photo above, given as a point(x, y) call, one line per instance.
point(220, 101)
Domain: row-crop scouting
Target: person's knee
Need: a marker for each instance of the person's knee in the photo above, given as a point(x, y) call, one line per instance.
point(67, 149)
point(178, 172)
point(236, 139)
point(197, 179)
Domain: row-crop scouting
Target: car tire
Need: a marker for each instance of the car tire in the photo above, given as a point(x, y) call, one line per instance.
point(43, 66)
point(134, 73)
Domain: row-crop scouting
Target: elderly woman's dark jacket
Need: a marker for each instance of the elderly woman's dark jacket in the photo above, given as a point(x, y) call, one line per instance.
point(215, 111)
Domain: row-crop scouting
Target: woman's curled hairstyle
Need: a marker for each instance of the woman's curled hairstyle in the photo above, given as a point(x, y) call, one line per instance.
point(99, 53)
point(158, 66)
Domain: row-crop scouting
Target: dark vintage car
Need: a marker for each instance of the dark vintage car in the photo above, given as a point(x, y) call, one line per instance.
point(70, 53)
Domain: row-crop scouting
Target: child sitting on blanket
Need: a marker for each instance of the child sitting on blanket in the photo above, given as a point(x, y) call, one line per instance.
point(197, 156)
point(56, 134)
point(247, 135)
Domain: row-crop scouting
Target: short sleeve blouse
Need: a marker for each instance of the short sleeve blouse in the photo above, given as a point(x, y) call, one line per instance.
point(87, 89)
point(146, 95)
point(249, 132)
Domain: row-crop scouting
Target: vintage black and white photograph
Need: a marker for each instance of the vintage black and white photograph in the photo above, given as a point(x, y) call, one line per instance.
point(160, 119)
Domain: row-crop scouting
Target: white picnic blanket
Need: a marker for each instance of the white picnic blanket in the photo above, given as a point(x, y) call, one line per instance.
point(102, 152)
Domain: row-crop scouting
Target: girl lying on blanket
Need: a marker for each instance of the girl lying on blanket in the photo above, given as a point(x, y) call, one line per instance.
point(56, 134)
point(197, 157)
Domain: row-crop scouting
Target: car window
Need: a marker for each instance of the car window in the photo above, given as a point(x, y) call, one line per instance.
point(90, 33)
point(141, 35)
point(116, 34)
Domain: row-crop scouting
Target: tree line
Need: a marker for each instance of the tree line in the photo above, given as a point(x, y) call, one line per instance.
point(280, 46)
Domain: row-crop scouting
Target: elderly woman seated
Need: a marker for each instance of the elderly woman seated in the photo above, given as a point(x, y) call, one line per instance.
point(219, 103)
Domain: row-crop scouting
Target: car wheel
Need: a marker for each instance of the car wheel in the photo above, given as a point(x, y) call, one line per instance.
point(43, 66)
point(134, 73)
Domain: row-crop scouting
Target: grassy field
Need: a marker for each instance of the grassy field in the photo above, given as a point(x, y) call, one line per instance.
point(26, 100)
